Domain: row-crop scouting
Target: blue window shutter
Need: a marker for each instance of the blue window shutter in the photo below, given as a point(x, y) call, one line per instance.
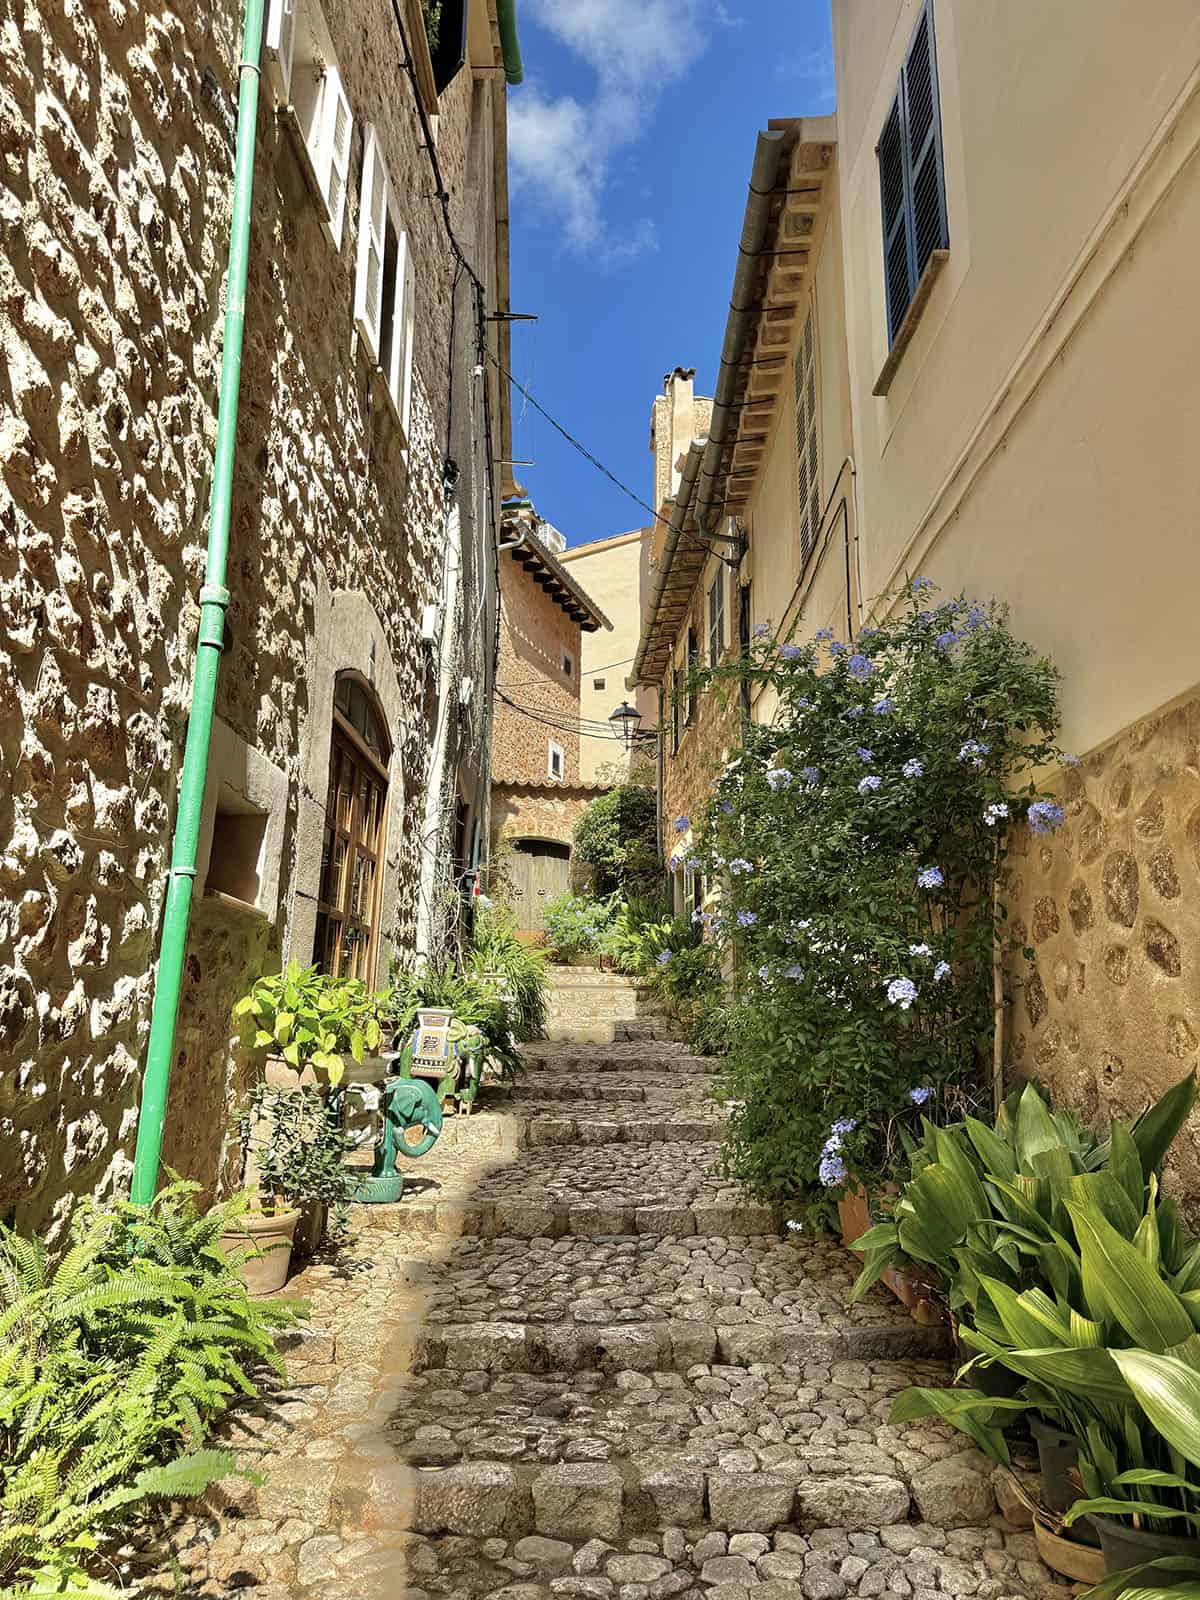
point(911, 175)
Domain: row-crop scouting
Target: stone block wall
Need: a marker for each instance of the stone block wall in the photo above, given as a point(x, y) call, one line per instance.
point(115, 141)
point(1108, 1012)
point(534, 632)
point(689, 772)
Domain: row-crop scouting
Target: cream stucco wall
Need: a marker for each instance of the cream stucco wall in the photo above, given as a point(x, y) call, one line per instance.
point(1038, 440)
point(610, 572)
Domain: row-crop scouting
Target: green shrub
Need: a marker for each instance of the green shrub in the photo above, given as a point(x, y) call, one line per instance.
point(711, 1025)
point(618, 838)
point(641, 929)
point(114, 1365)
point(859, 839)
point(299, 1148)
point(576, 925)
point(311, 1018)
point(514, 971)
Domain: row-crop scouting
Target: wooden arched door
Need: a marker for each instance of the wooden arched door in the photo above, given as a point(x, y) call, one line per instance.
point(541, 872)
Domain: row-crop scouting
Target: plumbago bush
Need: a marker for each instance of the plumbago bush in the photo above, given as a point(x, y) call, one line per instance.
point(859, 839)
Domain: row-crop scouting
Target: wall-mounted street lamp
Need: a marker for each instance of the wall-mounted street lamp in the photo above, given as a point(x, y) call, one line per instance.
point(625, 722)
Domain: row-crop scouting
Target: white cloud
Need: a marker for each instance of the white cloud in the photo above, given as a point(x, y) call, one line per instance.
point(560, 149)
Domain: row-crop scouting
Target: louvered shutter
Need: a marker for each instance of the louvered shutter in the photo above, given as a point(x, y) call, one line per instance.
point(911, 177)
point(372, 236)
point(337, 125)
point(923, 140)
point(280, 42)
point(808, 475)
point(400, 361)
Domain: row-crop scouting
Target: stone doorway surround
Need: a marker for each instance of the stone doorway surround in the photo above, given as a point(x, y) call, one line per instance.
point(347, 637)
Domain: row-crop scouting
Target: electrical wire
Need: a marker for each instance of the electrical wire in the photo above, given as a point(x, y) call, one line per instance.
point(632, 494)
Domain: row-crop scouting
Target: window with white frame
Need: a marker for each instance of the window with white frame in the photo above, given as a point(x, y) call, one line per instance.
point(384, 293)
point(554, 760)
point(306, 77)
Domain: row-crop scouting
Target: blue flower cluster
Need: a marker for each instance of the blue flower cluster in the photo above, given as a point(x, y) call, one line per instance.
point(870, 783)
point(789, 652)
point(1045, 816)
point(901, 992)
point(832, 1169)
point(973, 752)
point(860, 667)
point(779, 778)
point(739, 864)
point(930, 878)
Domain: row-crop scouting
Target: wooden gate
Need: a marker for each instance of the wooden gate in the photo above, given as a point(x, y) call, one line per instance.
point(541, 872)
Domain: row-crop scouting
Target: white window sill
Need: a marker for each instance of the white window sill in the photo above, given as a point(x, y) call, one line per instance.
point(904, 333)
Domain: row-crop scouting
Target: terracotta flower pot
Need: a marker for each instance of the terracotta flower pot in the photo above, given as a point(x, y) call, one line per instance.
point(912, 1287)
point(269, 1234)
point(1083, 1563)
point(310, 1230)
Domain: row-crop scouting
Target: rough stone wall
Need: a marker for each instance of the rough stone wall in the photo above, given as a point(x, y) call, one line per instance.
point(534, 632)
point(115, 207)
point(523, 811)
point(1108, 1012)
point(688, 774)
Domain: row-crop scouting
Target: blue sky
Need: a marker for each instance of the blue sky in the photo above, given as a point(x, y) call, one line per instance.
point(630, 145)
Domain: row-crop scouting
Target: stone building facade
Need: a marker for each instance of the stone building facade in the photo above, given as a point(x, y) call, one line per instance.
point(358, 561)
point(538, 792)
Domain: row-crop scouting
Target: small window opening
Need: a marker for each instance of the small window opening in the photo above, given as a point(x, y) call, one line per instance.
point(599, 683)
point(554, 760)
point(568, 664)
point(239, 833)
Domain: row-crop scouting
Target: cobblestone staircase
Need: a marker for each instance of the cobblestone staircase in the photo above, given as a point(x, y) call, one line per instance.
point(628, 1380)
point(576, 1361)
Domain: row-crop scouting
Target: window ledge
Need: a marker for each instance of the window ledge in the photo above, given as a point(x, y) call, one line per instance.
point(231, 902)
point(904, 333)
point(383, 399)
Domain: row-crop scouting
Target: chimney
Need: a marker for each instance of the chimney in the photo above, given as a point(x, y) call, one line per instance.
point(673, 426)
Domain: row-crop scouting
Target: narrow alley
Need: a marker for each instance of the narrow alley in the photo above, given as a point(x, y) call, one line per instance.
point(575, 1361)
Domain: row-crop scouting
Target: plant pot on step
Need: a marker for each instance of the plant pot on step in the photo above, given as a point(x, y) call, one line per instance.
point(1058, 1458)
point(269, 1234)
point(310, 1230)
point(912, 1287)
point(1083, 1563)
point(1126, 1546)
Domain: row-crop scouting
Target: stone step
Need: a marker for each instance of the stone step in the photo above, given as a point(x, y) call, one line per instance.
point(649, 1088)
point(548, 1124)
point(568, 1056)
point(773, 1299)
point(671, 1346)
point(820, 1564)
point(607, 1030)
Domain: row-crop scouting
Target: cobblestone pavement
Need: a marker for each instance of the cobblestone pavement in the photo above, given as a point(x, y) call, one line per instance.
point(575, 1361)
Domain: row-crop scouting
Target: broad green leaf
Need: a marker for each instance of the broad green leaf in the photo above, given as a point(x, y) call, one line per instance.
point(1117, 1275)
point(1168, 1391)
point(291, 1054)
point(998, 1159)
point(1107, 1506)
point(1085, 1333)
point(943, 1210)
point(1106, 1194)
point(357, 1045)
point(959, 1407)
point(1090, 1374)
point(1154, 1131)
point(1155, 1479)
point(245, 1006)
point(880, 1234)
point(1026, 1322)
point(1165, 1566)
point(283, 1026)
point(1125, 1165)
point(1035, 1130)
point(262, 1039)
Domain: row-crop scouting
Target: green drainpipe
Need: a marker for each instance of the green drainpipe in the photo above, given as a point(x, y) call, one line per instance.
point(510, 45)
point(214, 597)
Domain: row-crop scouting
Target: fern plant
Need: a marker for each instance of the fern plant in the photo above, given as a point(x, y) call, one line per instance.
point(115, 1363)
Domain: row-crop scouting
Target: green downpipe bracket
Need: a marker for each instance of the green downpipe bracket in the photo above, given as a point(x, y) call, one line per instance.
point(510, 45)
point(214, 598)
